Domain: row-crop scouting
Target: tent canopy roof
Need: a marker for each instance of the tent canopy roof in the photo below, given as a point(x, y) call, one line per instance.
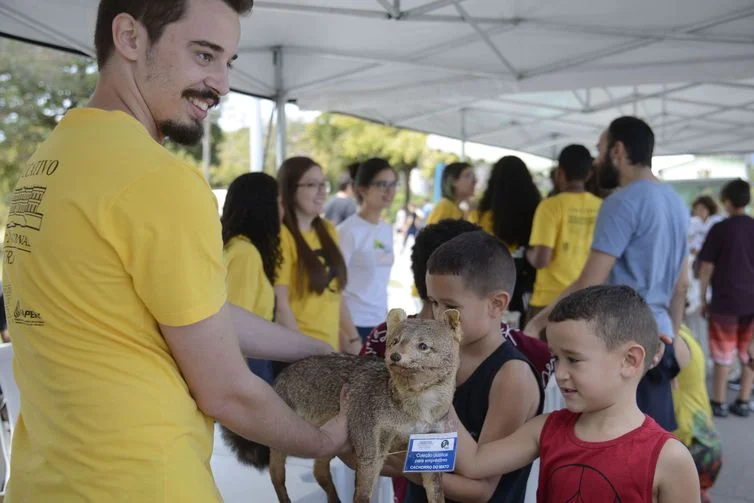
point(532, 75)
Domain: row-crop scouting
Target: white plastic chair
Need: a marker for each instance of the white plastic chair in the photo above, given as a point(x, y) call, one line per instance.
point(12, 400)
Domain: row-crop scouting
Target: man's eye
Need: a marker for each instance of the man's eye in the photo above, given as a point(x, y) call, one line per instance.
point(422, 346)
point(205, 57)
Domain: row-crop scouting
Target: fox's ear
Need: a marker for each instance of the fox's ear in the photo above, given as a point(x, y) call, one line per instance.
point(453, 318)
point(394, 318)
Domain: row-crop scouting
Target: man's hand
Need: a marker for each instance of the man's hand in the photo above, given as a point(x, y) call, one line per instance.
point(535, 326)
point(703, 307)
point(665, 340)
point(335, 432)
point(353, 346)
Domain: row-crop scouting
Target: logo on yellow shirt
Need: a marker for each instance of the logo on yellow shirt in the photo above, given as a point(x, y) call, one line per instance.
point(23, 210)
point(25, 316)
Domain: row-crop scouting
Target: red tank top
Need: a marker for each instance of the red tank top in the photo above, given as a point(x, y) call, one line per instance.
point(617, 471)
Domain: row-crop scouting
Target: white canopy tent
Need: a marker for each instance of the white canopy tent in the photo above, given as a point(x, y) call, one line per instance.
point(531, 75)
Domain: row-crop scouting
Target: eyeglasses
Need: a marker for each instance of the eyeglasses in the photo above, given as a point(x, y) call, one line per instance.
point(385, 185)
point(315, 186)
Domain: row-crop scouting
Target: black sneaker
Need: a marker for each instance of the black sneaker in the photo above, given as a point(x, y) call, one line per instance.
point(719, 409)
point(735, 384)
point(740, 408)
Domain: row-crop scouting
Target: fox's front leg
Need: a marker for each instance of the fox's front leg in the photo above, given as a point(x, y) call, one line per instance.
point(367, 472)
point(432, 482)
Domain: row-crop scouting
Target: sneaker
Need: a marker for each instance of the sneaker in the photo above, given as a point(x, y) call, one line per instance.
point(740, 408)
point(735, 384)
point(719, 409)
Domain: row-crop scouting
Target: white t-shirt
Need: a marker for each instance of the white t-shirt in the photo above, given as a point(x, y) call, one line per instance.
point(368, 252)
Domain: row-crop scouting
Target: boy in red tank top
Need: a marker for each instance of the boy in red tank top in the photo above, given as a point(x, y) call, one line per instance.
point(602, 448)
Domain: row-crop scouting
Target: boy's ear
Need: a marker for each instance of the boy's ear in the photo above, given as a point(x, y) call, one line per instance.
point(453, 318)
point(634, 358)
point(498, 303)
point(394, 318)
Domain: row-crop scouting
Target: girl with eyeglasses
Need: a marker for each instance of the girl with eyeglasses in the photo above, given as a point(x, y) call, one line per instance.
point(251, 238)
point(312, 275)
point(367, 245)
point(458, 182)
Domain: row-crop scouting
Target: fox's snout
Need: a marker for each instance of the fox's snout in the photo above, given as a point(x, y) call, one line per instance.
point(396, 357)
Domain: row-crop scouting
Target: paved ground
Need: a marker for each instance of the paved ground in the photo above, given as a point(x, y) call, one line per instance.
point(736, 481)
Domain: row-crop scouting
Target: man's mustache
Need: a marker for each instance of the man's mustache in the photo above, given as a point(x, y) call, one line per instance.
point(205, 95)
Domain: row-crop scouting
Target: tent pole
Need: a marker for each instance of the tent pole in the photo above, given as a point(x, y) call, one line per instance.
point(256, 138)
point(280, 99)
point(463, 134)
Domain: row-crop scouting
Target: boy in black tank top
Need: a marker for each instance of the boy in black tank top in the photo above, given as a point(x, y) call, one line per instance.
point(498, 389)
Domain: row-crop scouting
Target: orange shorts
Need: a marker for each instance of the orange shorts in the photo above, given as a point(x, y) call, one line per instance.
point(730, 334)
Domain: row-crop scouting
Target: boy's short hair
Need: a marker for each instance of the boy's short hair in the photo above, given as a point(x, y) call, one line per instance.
point(576, 162)
point(480, 259)
point(738, 192)
point(618, 314)
point(427, 241)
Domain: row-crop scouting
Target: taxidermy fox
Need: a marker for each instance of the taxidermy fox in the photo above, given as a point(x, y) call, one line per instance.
point(411, 391)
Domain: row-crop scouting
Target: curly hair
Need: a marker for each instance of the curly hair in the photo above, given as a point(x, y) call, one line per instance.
point(512, 197)
point(427, 241)
point(251, 210)
point(707, 202)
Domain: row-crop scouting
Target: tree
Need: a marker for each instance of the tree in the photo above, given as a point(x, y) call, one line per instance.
point(37, 87)
point(338, 140)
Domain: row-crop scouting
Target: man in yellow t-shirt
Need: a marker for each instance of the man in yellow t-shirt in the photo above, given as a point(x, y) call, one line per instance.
point(125, 348)
point(561, 235)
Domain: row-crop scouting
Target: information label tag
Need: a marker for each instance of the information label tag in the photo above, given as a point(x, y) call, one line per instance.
point(433, 452)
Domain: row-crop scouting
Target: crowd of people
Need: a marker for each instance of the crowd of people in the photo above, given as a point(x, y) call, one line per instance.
point(140, 318)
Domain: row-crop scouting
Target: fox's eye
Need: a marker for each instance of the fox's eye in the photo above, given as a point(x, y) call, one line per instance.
point(422, 346)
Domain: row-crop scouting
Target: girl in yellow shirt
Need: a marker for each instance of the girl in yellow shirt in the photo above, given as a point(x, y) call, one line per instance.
point(251, 237)
point(312, 275)
point(458, 182)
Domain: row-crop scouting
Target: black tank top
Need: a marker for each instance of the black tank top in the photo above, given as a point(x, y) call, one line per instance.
point(471, 401)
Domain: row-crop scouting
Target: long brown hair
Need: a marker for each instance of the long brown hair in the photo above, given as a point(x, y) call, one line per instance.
point(309, 265)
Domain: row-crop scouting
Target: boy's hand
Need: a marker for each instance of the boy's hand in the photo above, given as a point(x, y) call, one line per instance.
point(751, 355)
point(535, 327)
point(664, 341)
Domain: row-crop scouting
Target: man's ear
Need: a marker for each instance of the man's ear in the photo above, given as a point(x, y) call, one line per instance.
point(498, 303)
point(633, 360)
point(129, 36)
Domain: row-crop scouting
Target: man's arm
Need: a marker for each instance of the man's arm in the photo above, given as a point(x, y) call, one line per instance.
point(596, 271)
point(260, 338)
point(678, 301)
point(539, 256)
point(676, 477)
point(283, 313)
point(210, 360)
point(706, 270)
point(350, 342)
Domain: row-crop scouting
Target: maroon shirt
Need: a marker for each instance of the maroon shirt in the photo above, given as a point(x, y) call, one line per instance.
point(730, 247)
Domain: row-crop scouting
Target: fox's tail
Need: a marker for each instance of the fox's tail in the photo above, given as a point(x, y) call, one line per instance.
point(247, 452)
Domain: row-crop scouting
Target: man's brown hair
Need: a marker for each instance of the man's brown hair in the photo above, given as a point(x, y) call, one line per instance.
point(154, 15)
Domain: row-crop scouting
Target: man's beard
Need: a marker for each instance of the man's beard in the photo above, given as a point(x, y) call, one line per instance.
point(608, 176)
point(183, 134)
point(188, 134)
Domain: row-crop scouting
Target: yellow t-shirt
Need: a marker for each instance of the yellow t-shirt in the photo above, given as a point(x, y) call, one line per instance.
point(565, 223)
point(108, 235)
point(484, 220)
point(444, 209)
point(693, 412)
point(317, 316)
point(248, 286)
